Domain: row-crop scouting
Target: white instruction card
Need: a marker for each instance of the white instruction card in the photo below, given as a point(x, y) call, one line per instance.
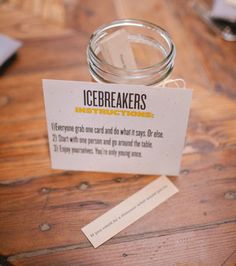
point(129, 211)
point(116, 128)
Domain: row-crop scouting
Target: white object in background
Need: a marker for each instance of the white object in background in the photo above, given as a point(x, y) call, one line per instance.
point(8, 48)
point(223, 10)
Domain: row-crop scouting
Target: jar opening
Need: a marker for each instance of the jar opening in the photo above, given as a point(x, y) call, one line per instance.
point(152, 47)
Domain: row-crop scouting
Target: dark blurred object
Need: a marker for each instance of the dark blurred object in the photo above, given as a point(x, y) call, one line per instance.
point(221, 18)
point(4, 67)
point(8, 49)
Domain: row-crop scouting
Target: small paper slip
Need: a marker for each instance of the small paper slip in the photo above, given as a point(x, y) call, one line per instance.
point(115, 127)
point(129, 211)
point(117, 51)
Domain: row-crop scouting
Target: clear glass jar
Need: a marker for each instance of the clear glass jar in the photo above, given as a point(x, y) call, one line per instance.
point(153, 50)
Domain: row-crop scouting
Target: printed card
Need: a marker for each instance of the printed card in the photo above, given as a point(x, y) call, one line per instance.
point(116, 128)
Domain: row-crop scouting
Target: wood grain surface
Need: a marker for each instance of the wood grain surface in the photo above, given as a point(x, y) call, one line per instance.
point(42, 210)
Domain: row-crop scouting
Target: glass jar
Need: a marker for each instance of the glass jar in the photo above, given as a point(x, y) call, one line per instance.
point(152, 48)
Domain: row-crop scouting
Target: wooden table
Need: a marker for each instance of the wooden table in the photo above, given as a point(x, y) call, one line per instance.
point(42, 210)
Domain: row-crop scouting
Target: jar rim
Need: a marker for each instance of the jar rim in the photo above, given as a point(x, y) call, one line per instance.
point(139, 23)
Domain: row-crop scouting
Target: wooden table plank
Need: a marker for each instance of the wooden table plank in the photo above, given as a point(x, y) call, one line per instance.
point(178, 248)
point(23, 94)
point(68, 201)
point(50, 54)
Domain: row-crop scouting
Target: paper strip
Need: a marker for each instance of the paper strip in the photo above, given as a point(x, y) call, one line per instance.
point(129, 211)
point(117, 51)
